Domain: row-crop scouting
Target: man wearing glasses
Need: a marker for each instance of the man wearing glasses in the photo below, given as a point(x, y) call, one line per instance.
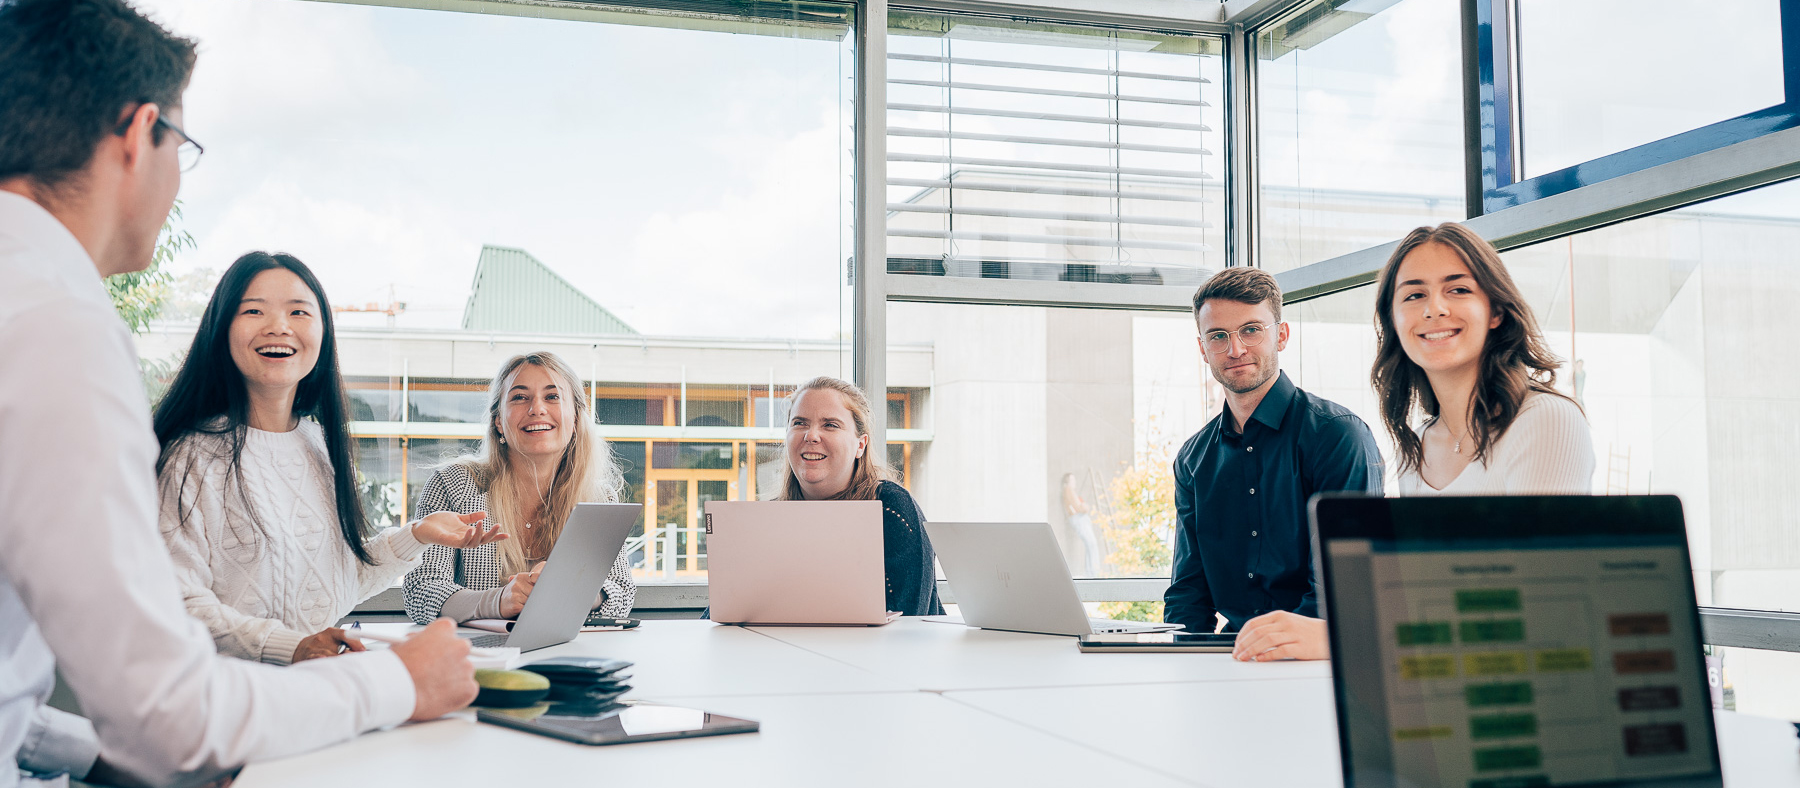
point(91, 150)
point(1242, 546)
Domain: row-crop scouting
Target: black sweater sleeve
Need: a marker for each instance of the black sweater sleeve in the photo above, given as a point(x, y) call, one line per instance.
point(911, 565)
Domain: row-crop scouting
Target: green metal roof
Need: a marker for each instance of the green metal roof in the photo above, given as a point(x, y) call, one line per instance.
point(515, 292)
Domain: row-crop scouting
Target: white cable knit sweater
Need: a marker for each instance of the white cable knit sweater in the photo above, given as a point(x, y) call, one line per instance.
point(1547, 451)
point(260, 591)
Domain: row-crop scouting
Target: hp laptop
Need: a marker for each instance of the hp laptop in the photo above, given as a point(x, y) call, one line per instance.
point(578, 564)
point(1514, 641)
point(1012, 576)
point(796, 562)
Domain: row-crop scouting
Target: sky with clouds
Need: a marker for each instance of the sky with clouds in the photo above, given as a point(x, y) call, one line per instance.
point(697, 183)
point(692, 182)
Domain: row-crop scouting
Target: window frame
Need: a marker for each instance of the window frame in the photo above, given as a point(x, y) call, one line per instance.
point(1491, 47)
point(1733, 156)
point(1649, 179)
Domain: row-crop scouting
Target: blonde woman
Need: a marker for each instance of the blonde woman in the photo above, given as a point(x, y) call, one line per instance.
point(539, 458)
point(829, 459)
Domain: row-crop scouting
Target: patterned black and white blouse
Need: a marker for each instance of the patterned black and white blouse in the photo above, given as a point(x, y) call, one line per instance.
point(446, 571)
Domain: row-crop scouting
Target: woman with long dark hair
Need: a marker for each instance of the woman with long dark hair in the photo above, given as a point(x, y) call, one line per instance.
point(258, 483)
point(1457, 342)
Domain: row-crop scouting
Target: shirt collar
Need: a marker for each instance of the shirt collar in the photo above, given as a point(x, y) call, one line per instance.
point(51, 249)
point(1274, 406)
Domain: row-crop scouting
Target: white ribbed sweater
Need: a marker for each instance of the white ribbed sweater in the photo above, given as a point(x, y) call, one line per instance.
point(260, 591)
point(1546, 451)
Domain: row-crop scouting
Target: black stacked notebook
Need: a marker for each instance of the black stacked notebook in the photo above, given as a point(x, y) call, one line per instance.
point(582, 685)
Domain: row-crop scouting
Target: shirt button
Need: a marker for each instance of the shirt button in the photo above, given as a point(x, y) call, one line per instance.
point(1253, 574)
point(1253, 491)
point(1249, 448)
point(1252, 533)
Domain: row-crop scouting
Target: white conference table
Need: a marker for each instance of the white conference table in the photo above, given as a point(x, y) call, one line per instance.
point(918, 703)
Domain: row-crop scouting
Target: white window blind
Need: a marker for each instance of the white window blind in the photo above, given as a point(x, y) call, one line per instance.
point(1029, 151)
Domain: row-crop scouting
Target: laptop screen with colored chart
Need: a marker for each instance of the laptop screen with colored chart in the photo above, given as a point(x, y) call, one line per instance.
point(1515, 642)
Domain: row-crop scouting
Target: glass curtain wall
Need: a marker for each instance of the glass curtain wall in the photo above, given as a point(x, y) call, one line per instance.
point(665, 208)
point(1670, 329)
point(1359, 126)
point(1066, 416)
point(1025, 150)
point(1642, 79)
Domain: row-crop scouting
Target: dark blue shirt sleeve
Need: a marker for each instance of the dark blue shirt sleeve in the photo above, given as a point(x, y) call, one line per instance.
point(1188, 601)
point(1343, 459)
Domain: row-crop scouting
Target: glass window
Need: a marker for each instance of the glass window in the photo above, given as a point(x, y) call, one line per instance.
point(710, 412)
point(425, 455)
point(669, 454)
point(1330, 349)
point(1671, 329)
point(1643, 74)
point(770, 411)
point(617, 410)
point(451, 403)
point(632, 460)
point(896, 462)
point(771, 469)
point(1030, 151)
point(380, 480)
point(1673, 319)
point(1359, 127)
point(616, 176)
point(1671, 326)
point(373, 400)
point(1065, 416)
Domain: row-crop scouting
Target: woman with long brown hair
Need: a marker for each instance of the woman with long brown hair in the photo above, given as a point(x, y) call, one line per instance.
point(539, 458)
point(1457, 341)
point(829, 459)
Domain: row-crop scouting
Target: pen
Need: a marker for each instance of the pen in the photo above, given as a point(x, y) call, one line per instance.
point(594, 621)
point(476, 652)
point(355, 631)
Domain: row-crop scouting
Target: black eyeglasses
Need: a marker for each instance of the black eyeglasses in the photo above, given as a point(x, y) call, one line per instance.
point(190, 151)
point(187, 155)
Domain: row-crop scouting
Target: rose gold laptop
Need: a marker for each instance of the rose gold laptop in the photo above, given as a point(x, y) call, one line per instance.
point(796, 562)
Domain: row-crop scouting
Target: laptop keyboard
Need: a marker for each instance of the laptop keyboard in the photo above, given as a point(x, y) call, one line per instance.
point(488, 641)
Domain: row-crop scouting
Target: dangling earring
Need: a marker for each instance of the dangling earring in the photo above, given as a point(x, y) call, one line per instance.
point(503, 440)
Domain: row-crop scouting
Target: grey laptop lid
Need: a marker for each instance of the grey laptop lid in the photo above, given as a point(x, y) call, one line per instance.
point(1011, 576)
point(578, 565)
point(796, 562)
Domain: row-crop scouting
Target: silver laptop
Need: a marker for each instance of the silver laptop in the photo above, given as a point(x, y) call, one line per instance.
point(1012, 576)
point(796, 562)
point(578, 564)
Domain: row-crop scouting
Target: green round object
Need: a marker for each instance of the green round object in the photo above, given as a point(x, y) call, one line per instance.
point(510, 689)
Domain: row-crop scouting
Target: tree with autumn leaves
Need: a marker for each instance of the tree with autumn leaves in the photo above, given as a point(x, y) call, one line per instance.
point(1140, 527)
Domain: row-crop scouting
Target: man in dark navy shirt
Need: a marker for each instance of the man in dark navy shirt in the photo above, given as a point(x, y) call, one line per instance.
point(1242, 548)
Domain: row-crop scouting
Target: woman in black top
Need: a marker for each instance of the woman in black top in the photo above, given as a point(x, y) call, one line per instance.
point(829, 459)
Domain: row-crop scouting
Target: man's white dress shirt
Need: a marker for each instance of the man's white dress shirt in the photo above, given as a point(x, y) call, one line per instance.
point(86, 584)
